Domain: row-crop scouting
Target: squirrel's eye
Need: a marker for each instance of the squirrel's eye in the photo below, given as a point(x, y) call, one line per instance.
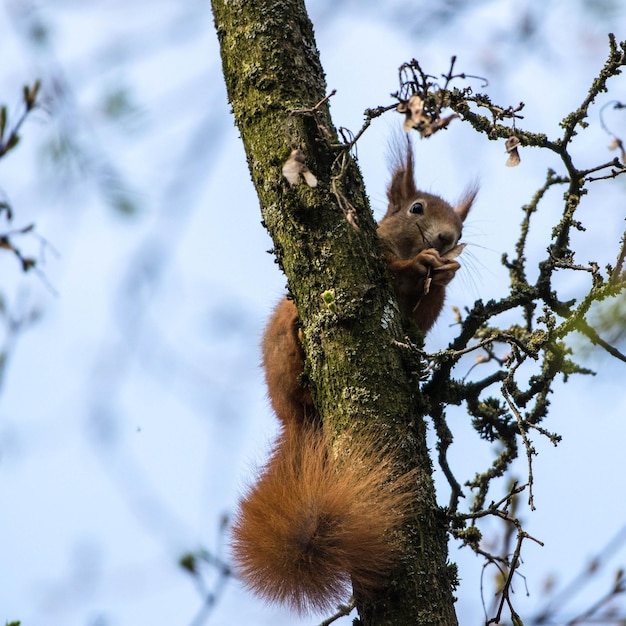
point(417, 208)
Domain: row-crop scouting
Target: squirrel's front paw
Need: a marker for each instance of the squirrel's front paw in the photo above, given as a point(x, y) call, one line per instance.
point(434, 268)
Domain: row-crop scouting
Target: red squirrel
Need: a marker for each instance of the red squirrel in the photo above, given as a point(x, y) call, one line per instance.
point(315, 522)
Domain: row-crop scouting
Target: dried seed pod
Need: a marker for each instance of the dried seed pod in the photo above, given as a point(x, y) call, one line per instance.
point(511, 147)
point(617, 144)
point(296, 165)
point(455, 252)
point(414, 111)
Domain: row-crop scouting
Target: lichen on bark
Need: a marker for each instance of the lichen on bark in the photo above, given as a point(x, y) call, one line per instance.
point(277, 90)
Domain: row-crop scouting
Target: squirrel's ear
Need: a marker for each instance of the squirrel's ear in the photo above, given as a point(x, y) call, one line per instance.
point(465, 204)
point(402, 187)
point(398, 191)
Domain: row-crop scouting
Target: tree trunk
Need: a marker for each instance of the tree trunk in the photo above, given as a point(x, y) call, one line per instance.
point(352, 331)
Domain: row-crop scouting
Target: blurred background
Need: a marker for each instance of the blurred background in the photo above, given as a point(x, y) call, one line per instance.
point(132, 406)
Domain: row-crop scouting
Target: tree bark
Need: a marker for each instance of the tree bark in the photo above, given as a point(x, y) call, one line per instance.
point(357, 369)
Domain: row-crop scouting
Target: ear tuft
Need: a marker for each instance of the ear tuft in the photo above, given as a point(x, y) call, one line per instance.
point(402, 186)
point(465, 203)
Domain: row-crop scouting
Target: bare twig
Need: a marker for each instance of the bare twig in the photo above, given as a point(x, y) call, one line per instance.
point(344, 609)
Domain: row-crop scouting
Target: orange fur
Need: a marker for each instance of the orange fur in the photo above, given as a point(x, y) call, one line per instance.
point(315, 522)
point(283, 362)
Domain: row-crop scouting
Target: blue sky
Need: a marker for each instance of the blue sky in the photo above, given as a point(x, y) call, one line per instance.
point(133, 410)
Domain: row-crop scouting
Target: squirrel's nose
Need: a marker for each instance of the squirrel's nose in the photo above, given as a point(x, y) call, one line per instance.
point(446, 239)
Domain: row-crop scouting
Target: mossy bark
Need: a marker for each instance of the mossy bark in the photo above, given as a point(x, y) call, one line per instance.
point(352, 331)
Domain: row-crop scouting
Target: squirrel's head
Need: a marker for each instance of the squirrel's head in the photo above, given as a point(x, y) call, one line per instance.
point(416, 220)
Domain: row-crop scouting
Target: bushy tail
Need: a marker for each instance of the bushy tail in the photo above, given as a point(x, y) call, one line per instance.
point(314, 522)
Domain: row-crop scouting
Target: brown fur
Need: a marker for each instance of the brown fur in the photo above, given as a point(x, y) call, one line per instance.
point(283, 362)
point(415, 245)
point(315, 521)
